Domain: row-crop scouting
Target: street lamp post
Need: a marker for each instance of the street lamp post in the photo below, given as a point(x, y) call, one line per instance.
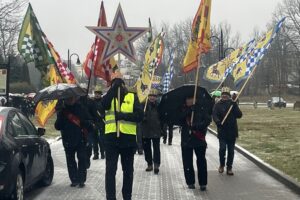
point(69, 59)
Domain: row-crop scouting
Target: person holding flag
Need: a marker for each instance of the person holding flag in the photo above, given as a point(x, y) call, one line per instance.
point(121, 118)
point(227, 132)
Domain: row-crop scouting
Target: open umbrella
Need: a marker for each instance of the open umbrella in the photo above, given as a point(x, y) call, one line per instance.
point(172, 102)
point(59, 91)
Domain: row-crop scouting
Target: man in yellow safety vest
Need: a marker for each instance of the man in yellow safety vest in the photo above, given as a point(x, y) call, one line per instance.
point(122, 113)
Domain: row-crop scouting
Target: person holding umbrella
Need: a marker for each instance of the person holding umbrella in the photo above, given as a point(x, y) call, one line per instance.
point(151, 132)
point(227, 131)
point(122, 113)
point(74, 122)
point(193, 140)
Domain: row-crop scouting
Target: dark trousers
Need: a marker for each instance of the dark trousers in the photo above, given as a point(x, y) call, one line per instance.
point(188, 167)
point(98, 144)
point(229, 144)
point(170, 132)
point(148, 150)
point(139, 136)
point(127, 159)
point(77, 172)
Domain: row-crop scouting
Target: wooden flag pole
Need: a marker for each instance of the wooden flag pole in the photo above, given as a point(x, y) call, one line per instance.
point(240, 92)
point(196, 86)
point(119, 98)
point(150, 86)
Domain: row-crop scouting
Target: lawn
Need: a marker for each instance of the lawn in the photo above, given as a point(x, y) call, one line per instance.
point(272, 135)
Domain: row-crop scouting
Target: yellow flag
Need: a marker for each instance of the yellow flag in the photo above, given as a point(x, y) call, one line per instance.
point(200, 37)
point(45, 109)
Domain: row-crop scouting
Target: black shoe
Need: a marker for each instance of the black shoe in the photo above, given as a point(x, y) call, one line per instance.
point(156, 168)
point(192, 186)
point(164, 141)
point(170, 143)
point(102, 156)
point(140, 151)
point(149, 168)
point(96, 157)
point(81, 185)
point(74, 184)
point(202, 187)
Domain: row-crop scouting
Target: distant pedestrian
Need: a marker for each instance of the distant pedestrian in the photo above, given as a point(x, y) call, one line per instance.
point(123, 143)
point(74, 123)
point(151, 131)
point(227, 132)
point(193, 140)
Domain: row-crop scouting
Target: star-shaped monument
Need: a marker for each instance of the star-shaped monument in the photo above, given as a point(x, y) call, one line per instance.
point(119, 38)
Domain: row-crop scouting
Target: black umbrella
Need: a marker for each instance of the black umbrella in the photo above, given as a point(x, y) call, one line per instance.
point(173, 101)
point(59, 91)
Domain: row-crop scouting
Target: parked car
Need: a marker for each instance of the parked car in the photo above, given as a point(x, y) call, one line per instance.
point(25, 157)
point(276, 102)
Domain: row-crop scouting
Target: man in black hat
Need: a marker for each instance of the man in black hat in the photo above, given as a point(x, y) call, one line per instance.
point(122, 113)
point(228, 131)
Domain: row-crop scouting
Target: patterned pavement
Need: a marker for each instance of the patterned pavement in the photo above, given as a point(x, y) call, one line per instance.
point(248, 183)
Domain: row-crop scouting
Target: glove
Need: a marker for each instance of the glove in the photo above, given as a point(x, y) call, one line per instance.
point(117, 82)
point(120, 116)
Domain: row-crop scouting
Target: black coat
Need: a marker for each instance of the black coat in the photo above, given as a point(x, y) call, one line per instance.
point(151, 127)
point(124, 140)
point(201, 121)
point(71, 133)
point(229, 130)
point(97, 113)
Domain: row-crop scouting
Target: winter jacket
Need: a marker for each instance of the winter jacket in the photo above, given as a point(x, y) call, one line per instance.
point(71, 133)
point(125, 140)
point(151, 127)
point(229, 130)
point(194, 135)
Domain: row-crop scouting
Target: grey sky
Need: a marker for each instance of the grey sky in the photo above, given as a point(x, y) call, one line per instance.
point(64, 21)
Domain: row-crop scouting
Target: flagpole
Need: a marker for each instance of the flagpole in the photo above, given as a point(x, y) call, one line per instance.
point(119, 98)
point(150, 86)
point(196, 86)
point(240, 92)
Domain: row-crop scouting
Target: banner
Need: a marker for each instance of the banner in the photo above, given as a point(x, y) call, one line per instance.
point(200, 37)
point(153, 58)
point(220, 70)
point(248, 62)
point(45, 109)
point(31, 43)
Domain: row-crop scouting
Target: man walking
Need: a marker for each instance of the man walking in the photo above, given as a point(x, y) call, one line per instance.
point(121, 116)
point(74, 123)
point(151, 131)
point(227, 132)
point(193, 140)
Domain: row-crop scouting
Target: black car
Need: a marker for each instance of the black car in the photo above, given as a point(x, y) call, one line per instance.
point(276, 102)
point(25, 157)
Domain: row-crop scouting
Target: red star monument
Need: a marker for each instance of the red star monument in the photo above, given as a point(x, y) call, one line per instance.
point(119, 38)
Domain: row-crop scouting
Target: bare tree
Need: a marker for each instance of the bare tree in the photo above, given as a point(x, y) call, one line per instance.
point(10, 22)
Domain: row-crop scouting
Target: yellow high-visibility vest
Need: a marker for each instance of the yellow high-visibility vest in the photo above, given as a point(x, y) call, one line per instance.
point(126, 127)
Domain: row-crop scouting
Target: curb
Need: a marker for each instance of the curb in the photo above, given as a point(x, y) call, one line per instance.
point(285, 179)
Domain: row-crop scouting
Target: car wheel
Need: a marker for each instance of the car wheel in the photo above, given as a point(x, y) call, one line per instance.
point(49, 173)
point(18, 192)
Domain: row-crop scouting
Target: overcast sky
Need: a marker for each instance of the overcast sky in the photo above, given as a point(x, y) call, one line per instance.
point(64, 21)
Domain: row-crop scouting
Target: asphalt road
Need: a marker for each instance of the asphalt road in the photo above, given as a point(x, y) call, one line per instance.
point(248, 183)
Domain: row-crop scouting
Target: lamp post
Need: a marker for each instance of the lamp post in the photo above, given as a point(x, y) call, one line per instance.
point(220, 45)
point(69, 59)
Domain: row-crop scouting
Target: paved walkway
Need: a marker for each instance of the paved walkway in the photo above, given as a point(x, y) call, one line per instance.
point(248, 183)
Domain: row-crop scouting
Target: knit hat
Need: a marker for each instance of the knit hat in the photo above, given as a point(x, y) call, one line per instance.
point(225, 90)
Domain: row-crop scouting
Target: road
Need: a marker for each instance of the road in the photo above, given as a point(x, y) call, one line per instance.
point(248, 183)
